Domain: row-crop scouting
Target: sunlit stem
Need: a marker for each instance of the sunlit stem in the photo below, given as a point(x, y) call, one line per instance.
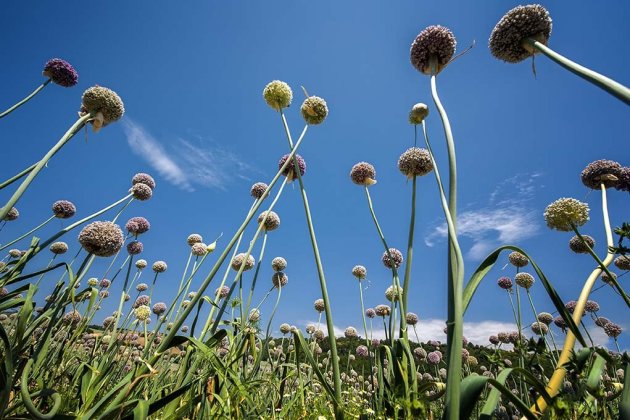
point(555, 382)
point(407, 279)
point(18, 176)
point(322, 279)
point(614, 88)
point(40, 165)
point(30, 232)
point(25, 100)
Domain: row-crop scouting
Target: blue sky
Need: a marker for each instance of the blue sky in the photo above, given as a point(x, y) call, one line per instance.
point(191, 76)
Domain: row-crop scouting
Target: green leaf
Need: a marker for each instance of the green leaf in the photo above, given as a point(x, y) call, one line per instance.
point(490, 261)
point(141, 411)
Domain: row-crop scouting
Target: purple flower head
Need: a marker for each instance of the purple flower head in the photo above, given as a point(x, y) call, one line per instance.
point(494, 340)
point(591, 306)
point(362, 351)
point(392, 258)
point(159, 308)
point(105, 283)
point(61, 72)
point(370, 313)
point(142, 178)
point(560, 323)
point(600, 321)
point(134, 248)
point(505, 283)
point(137, 225)
point(434, 358)
point(63, 209)
point(624, 179)
point(570, 305)
point(289, 171)
point(141, 192)
point(142, 300)
point(612, 330)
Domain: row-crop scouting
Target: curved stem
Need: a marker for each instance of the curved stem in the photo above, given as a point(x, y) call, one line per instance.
point(25, 100)
point(18, 176)
point(27, 233)
point(31, 176)
point(412, 223)
point(322, 278)
point(555, 382)
point(609, 85)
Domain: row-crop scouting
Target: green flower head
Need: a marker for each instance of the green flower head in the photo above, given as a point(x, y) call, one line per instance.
point(565, 213)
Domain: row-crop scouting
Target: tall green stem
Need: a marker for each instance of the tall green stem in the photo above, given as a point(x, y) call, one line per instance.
point(31, 176)
point(322, 279)
point(412, 224)
point(27, 233)
point(25, 100)
point(614, 88)
point(18, 176)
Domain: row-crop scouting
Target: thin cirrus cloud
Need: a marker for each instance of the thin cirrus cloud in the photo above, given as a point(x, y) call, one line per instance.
point(506, 219)
point(186, 163)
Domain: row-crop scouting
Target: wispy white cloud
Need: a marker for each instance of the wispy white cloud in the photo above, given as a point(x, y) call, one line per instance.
point(506, 218)
point(185, 163)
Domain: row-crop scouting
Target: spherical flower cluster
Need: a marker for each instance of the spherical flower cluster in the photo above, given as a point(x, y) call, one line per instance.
point(319, 305)
point(545, 317)
point(494, 340)
point(142, 178)
point(418, 113)
point(608, 279)
point(363, 173)
point(222, 291)
point(434, 358)
point(104, 104)
point(63, 209)
point(435, 42)
point(254, 315)
point(622, 262)
point(415, 161)
point(612, 330)
point(134, 247)
point(517, 259)
point(362, 351)
point(319, 335)
point(351, 332)
point(524, 280)
point(579, 246)
point(278, 95)
point(258, 190)
point(58, 248)
point(142, 287)
point(382, 310)
point(411, 318)
point(198, 249)
point(239, 260)
point(600, 172)
point(505, 283)
point(72, 318)
point(102, 239)
point(393, 293)
point(141, 300)
point(539, 328)
point(289, 171)
point(570, 306)
point(159, 266)
point(159, 308)
point(92, 282)
point(142, 313)
point(420, 353)
point(560, 323)
point(565, 213)
point(310, 329)
point(279, 279)
point(314, 110)
point(392, 258)
point(194, 238)
point(272, 220)
point(104, 283)
point(109, 322)
point(61, 72)
point(278, 264)
point(359, 272)
point(137, 225)
point(141, 192)
point(370, 313)
point(503, 337)
point(141, 264)
point(591, 306)
point(285, 328)
point(601, 321)
point(522, 22)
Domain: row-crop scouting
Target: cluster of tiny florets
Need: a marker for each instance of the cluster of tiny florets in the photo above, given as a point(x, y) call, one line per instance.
point(434, 41)
point(102, 239)
point(415, 161)
point(600, 172)
point(566, 213)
